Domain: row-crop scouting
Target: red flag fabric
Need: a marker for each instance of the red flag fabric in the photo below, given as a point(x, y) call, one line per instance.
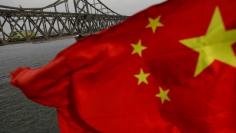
point(168, 69)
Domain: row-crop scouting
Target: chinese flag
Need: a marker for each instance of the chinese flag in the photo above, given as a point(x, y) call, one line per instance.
point(168, 69)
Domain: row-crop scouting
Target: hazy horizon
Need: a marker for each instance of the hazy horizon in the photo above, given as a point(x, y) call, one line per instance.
point(128, 7)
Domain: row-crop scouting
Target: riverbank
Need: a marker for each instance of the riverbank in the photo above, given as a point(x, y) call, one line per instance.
point(36, 41)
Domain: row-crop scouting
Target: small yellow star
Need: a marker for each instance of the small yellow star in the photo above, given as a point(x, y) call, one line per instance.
point(163, 95)
point(216, 44)
point(138, 48)
point(142, 77)
point(154, 23)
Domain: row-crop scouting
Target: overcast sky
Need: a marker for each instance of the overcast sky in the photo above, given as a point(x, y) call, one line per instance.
point(124, 7)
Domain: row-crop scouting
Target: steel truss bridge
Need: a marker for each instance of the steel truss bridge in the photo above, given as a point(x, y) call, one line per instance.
point(61, 18)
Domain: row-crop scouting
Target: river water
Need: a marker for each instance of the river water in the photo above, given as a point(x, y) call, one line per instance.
point(17, 113)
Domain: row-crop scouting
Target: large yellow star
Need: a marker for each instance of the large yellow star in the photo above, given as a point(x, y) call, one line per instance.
point(215, 45)
point(163, 95)
point(138, 48)
point(154, 23)
point(142, 77)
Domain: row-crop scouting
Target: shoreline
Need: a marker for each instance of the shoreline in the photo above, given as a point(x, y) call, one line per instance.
point(36, 41)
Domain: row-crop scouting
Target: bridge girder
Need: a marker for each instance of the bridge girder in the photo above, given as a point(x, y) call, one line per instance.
point(26, 24)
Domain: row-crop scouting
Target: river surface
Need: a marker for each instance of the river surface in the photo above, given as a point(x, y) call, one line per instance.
point(17, 113)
